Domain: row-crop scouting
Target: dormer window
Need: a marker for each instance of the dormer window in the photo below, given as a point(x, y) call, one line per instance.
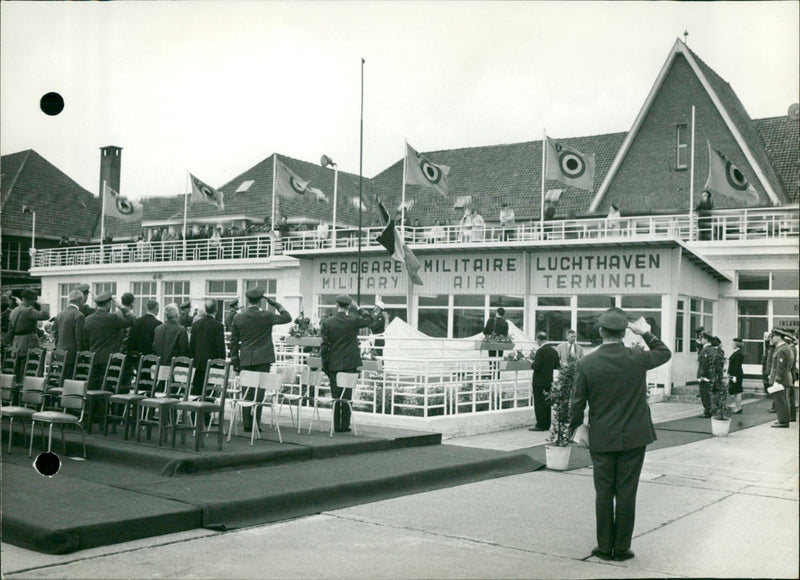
point(681, 146)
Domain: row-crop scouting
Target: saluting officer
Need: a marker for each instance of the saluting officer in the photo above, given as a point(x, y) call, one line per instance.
point(101, 333)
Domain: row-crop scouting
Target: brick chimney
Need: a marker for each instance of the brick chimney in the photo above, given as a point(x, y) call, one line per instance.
point(110, 167)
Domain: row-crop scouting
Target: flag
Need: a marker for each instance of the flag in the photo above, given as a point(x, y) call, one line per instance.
point(204, 193)
point(420, 171)
point(356, 202)
point(724, 178)
point(289, 185)
point(120, 207)
point(569, 165)
point(318, 193)
point(392, 240)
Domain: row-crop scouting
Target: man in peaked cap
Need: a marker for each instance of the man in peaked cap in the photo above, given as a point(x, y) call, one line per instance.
point(736, 374)
point(251, 341)
point(378, 326)
point(186, 315)
point(23, 323)
point(780, 377)
point(612, 380)
point(704, 363)
point(101, 334)
point(341, 354)
point(86, 310)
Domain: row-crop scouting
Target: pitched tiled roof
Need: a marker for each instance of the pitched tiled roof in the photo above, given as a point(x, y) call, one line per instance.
point(497, 174)
point(63, 208)
point(781, 136)
point(743, 122)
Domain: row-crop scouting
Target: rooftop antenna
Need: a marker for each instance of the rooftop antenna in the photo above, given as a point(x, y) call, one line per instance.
point(685, 37)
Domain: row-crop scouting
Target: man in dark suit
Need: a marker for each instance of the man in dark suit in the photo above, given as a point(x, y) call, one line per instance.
point(736, 375)
point(101, 334)
point(170, 339)
point(496, 326)
point(140, 339)
point(340, 352)
point(207, 341)
point(251, 340)
point(704, 363)
point(612, 379)
point(68, 330)
point(545, 361)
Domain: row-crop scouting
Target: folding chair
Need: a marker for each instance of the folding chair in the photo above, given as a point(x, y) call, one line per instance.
point(54, 376)
point(250, 383)
point(112, 380)
point(73, 398)
point(176, 389)
point(31, 401)
point(212, 400)
point(344, 381)
point(309, 379)
point(146, 378)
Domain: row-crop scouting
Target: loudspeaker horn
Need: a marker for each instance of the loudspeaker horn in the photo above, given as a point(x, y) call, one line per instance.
point(325, 160)
point(794, 111)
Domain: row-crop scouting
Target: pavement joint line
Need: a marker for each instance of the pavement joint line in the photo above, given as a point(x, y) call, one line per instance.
point(683, 516)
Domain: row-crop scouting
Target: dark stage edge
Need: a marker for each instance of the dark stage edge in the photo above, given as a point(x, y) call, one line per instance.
point(100, 502)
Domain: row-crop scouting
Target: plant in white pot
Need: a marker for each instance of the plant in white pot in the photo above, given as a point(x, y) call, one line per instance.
point(558, 449)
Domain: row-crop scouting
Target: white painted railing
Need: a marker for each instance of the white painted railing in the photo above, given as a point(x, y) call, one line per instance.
point(721, 226)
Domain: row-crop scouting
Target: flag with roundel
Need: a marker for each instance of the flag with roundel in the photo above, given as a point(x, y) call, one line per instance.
point(204, 193)
point(569, 166)
point(289, 185)
point(725, 179)
point(120, 207)
point(420, 171)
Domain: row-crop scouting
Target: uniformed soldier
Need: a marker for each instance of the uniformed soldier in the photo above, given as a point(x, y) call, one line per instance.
point(251, 340)
point(101, 333)
point(86, 310)
point(704, 372)
point(186, 319)
point(23, 325)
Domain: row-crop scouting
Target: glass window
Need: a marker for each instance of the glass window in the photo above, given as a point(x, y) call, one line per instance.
point(439, 300)
point(588, 328)
point(681, 146)
point(679, 333)
point(701, 314)
point(753, 280)
point(467, 322)
point(176, 291)
point(553, 301)
point(653, 318)
point(63, 294)
point(326, 305)
point(100, 287)
point(221, 287)
point(433, 322)
point(592, 301)
point(270, 286)
point(752, 307)
point(788, 280)
point(142, 292)
point(469, 300)
point(644, 301)
point(395, 307)
point(506, 301)
point(554, 323)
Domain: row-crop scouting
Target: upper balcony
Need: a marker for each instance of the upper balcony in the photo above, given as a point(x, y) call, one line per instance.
point(745, 227)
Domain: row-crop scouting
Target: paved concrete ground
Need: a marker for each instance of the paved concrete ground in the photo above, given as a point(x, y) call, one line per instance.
point(719, 507)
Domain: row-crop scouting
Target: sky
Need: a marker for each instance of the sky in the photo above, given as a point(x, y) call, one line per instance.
point(216, 87)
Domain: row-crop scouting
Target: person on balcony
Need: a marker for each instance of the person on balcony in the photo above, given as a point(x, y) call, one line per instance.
point(507, 218)
point(612, 219)
point(703, 210)
point(465, 228)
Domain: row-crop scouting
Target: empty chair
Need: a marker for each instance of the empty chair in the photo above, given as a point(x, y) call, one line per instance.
point(164, 402)
point(345, 381)
point(55, 376)
point(112, 381)
point(128, 403)
point(308, 381)
point(251, 382)
point(34, 363)
point(10, 360)
point(212, 400)
point(73, 403)
point(84, 361)
point(10, 387)
point(31, 401)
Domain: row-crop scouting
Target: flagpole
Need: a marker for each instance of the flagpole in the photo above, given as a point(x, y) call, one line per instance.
point(691, 184)
point(544, 171)
point(103, 218)
point(185, 211)
point(403, 195)
point(360, 184)
point(274, 179)
point(335, 194)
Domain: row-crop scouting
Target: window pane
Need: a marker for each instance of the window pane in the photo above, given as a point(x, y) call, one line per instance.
point(785, 307)
point(433, 322)
point(554, 323)
point(752, 328)
point(506, 301)
point(708, 306)
point(752, 307)
point(785, 280)
point(469, 300)
point(221, 286)
point(753, 352)
point(588, 329)
point(653, 301)
point(596, 302)
point(753, 281)
point(393, 299)
point(439, 300)
point(694, 305)
point(652, 318)
point(517, 317)
point(553, 301)
point(400, 313)
point(680, 304)
point(467, 323)
point(679, 332)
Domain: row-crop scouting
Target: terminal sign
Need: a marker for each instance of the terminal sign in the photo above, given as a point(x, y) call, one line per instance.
point(628, 272)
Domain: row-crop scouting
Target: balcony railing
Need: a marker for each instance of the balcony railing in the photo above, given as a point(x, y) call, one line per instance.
point(721, 226)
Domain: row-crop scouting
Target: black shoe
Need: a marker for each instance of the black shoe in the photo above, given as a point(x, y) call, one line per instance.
point(739, 412)
point(778, 425)
point(538, 429)
point(603, 555)
point(771, 411)
point(623, 555)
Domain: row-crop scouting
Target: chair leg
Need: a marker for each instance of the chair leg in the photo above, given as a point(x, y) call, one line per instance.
point(89, 414)
point(63, 440)
point(278, 426)
point(50, 438)
point(253, 427)
point(83, 439)
point(11, 433)
point(33, 432)
point(199, 428)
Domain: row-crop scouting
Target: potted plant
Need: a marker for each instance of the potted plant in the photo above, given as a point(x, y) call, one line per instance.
point(720, 412)
point(515, 361)
point(558, 449)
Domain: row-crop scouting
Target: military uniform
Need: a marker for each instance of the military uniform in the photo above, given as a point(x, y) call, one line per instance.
point(101, 336)
point(781, 374)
